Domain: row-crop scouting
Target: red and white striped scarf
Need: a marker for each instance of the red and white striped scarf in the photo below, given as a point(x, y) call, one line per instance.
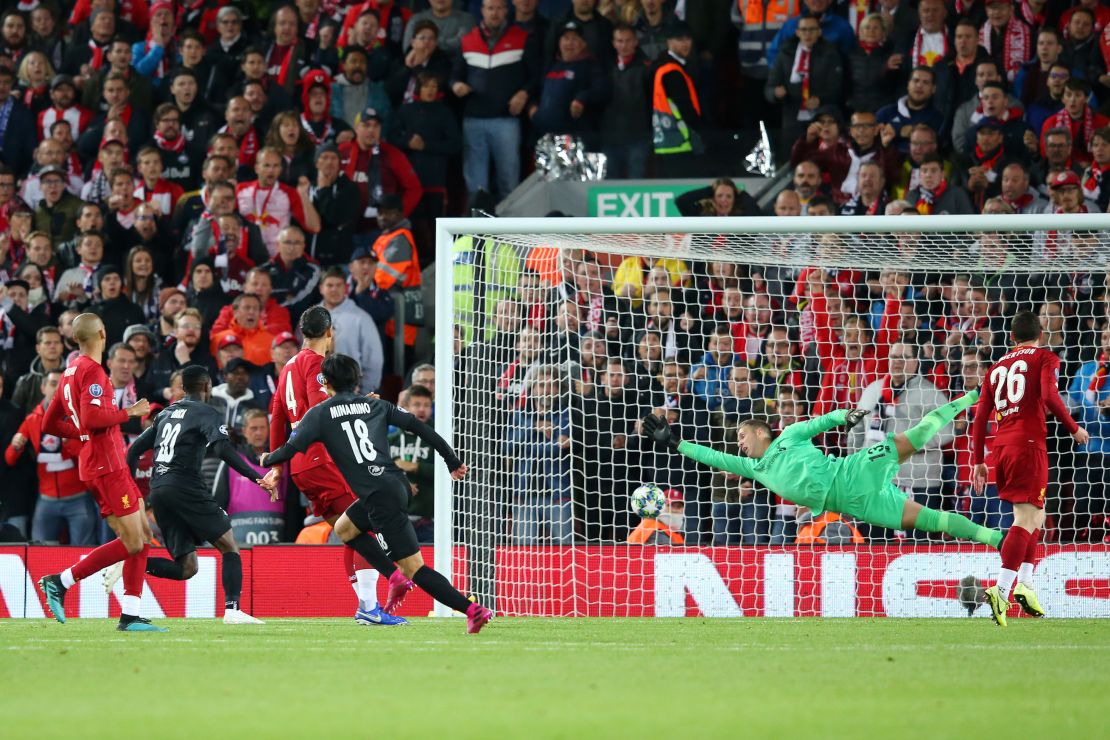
point(917, 50)
point(1084, 128)
point(1015, 45)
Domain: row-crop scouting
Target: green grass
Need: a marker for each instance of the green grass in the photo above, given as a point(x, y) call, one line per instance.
point(572, 678)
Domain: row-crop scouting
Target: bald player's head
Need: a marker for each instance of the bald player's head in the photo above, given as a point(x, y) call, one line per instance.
point(87, 327)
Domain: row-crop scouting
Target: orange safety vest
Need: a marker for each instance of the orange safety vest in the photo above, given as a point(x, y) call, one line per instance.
point(647, 528)
point(317, 534)
point(670, 134)
point(755, 12)
point(810, 534)
point(409, 269)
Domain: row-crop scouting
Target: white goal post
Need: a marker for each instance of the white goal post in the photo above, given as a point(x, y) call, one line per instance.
point(697, 310)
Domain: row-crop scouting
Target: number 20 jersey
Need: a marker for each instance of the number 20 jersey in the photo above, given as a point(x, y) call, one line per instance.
point(182, 434)
point(1018, 391)
point(300, 386)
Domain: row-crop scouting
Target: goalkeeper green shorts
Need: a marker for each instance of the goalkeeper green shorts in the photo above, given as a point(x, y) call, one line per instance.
point(863, 488)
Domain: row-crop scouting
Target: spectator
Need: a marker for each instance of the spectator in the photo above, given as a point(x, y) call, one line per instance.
point(806, 183)
point(117, 104)
point(527, 17)
point(125, 390)
point(246, 325)
point(719, 198)
point(227, 51)
point(64, 503)
point(417, 460)
point(275, 317)
point(538, 445)
point(1007, 39)
point(597, 31)
point(98, 189)
point(171, 301)
point(1031, 82)
point(1089, 394)
point(378, 169)
point(198, 117)
point(710, 377)
point(1016, 191)
point(153, 188)
point(117, 58)
point(142, 341)
point(33, 76)
point(1081, 48)
point(180, 160)
point(140, 284)
point(48, 153)
point(873, 66)
point(934, 194)
point(1067, 197)
point(625, 122)
point(399, 269)
point(239, 125)
point(63, 107)
point(17, 139)
point(360, 86)
point(494, 97)
point(233, 397)
point(452, 25)
point(870, 199)
point(57, 211)
point(932, 43)
point(112, 306)
point(573, 91)
point(992, 107)
point(423, 55)
point(355, 336)
point(255, 518)
point(286, 54)
point(981, 172)
point(834, 29)
point(205, 292)
point(48, 356)
point(75, 286)
point(336, 199)
point(294, 277)
point(1052, 101)
point(1078, 118)
point(649, 20)
point(1094, 187)
point(962, 67)
point(806, 75)
point(917, 106)
point(272, 205)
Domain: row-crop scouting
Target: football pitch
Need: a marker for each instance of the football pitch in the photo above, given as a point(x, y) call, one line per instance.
point(558, 678)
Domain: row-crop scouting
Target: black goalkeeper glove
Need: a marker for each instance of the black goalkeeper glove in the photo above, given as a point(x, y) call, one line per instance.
point(658, 430)
point(853, 417)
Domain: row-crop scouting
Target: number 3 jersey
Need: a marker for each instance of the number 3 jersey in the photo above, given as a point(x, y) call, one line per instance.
point(300, 386)
point(182, 433)
point(83, 409)
point(1018, 391)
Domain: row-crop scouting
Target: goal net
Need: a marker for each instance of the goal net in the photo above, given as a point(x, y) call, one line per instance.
point(556, 336)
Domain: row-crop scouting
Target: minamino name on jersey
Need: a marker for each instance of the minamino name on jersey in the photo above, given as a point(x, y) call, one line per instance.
point(349, 409)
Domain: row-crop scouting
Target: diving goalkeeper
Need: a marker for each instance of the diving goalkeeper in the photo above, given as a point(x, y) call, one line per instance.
point(858, 485)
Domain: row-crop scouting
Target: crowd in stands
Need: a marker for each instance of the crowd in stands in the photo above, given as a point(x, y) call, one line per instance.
point(198, 172)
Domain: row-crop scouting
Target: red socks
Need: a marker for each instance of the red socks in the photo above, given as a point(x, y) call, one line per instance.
point(1031, 548)
point(107, 554)
point(134, 569)
point(349, 563)
point(1018, 542)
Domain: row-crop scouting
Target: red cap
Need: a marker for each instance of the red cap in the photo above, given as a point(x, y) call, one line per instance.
point(284, 337)
point(229, 339)
point(674, 496)
point(1064, 178)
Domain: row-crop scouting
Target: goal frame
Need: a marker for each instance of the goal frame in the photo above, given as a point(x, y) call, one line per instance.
point(448, 229)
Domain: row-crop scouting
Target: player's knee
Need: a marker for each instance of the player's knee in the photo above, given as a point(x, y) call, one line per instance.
point(132, 541)
point(189, 566)
point(345, 529)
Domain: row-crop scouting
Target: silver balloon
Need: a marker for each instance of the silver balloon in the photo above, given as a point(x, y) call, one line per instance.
point(563, 157)
point(761, 160)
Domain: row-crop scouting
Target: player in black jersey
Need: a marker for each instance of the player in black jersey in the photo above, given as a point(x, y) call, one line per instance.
point(354, 429)
point(183, 505)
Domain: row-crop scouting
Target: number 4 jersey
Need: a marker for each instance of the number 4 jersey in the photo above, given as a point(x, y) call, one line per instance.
point(300, 386)
point(1018, 391)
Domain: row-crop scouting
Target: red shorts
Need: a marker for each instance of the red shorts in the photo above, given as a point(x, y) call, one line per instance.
point(1021, 474)
point(325, 488)
point(116, 493)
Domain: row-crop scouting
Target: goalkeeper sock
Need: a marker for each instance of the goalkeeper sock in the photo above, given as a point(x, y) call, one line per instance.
point(938, 418)
point(440, 589)
point(231, 577)
point(957, 525)
point(165, 568)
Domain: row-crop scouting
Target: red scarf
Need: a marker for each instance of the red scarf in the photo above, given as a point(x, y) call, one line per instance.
point(283, 72)
point(97, 59)
point(916, 52)
point(1086, 126)
point(1019, 203)
point(803, 72)
point(218, 248)
point(1034, 19)
point(357, 153)
point(248, 146)
point(126, 115)
point(926, 200)
point(176, 145)
point(316, 140)
point(1092, 180)
point(31, 93)
point(164, 65)
point(1099, 378)
point(868, 47)
point(988, 163)
point(1015, 45)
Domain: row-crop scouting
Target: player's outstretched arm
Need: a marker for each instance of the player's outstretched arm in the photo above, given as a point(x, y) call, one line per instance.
point(281, 455)
point(142, 443)
point(824, 423)
point(408, 422)
point(234, 460)
point(659, 431)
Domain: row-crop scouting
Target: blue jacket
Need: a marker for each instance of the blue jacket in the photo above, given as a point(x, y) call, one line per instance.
point(564, 83)
point(834, 29)
point(714, 386)
point(540, 464)
point(1086, 402)
point(903, 119)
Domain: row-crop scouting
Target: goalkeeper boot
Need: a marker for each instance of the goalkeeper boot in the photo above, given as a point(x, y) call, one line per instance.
point(399, 587)
point(137, 624)
point(1027, 600)
point(55, 594)
point(476, 618)
point(111, 574)
point(999, 606)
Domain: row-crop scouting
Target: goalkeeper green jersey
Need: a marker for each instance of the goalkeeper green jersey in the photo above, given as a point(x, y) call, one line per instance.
point(792, 467)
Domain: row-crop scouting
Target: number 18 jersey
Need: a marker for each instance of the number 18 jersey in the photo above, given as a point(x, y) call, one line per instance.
point(300, 386)
point(1019, 390)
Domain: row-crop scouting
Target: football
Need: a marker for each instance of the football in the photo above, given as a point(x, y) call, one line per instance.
point(648, 501)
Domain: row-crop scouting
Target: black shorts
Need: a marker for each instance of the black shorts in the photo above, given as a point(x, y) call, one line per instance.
point(384, 511)
point(187, 516)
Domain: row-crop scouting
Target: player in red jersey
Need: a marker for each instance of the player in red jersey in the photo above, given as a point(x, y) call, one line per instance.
point(1020, 389)
point(300, 386)
point(83, 409)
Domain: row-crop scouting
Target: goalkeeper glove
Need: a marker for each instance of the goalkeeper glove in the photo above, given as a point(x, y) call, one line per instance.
point(855, 416)
point(658, 429)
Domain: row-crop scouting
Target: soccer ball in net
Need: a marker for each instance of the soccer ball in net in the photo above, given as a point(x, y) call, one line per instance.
point(648, 501)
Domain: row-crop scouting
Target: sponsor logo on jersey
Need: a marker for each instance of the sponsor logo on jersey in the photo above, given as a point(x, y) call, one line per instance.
point(375, 470)
point(223, 429)
point(95, 390)
point(320, 378)
point(162, 469)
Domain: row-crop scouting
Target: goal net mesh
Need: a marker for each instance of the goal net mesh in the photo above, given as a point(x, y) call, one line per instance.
point(563, 343)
